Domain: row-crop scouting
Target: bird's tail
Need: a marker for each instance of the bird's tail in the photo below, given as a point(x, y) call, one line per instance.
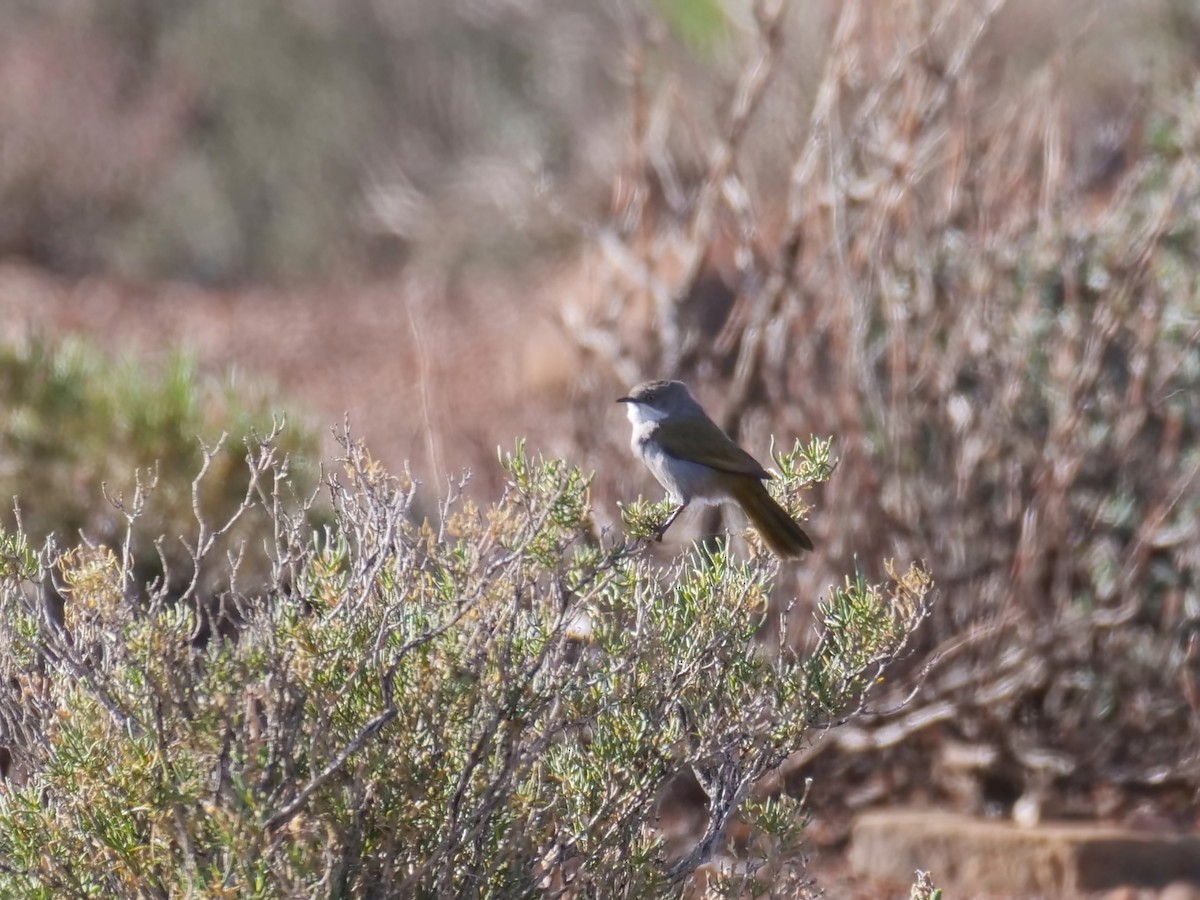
point(779, 530)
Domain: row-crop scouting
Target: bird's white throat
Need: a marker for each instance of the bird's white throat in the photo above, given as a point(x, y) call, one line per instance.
point(643, 414)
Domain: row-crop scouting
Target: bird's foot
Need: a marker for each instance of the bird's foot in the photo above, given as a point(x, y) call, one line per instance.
point(667, 524)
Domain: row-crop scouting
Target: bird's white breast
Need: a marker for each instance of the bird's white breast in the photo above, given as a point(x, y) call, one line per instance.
point(684, 481)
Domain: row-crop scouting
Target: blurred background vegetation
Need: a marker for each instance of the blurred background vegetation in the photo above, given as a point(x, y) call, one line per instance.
point(959, 236)
point(224, 143)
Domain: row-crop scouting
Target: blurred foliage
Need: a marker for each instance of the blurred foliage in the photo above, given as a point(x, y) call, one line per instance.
point(987, 286)
point(282, 120)
point(225, 142)
point(699, 23)
point(80, 426)
point(485, 707)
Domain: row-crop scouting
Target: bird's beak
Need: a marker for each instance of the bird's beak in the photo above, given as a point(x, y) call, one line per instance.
point(624, 399)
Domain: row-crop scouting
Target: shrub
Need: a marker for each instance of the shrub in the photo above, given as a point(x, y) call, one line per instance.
point(81, 425)
point(483, 706)
point(1004, 335)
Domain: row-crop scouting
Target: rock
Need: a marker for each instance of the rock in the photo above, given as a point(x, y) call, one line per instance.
point(1054, 859)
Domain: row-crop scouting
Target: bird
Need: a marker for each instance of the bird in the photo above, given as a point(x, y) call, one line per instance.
point(696, 462)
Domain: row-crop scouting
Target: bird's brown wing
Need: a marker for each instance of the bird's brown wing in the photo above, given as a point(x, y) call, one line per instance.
point(701, 441)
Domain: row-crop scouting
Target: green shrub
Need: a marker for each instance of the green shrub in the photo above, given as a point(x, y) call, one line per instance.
point(483, 707)
point(80, 425)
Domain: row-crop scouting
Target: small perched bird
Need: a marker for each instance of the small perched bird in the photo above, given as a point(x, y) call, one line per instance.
point(697, 462)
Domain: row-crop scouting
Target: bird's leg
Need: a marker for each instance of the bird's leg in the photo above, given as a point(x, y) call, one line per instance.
point(671, 518)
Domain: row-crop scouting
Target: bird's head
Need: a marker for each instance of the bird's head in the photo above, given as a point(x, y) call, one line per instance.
point(658, 400)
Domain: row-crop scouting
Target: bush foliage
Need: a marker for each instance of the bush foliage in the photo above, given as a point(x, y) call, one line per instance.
point(483, 706)
point(81, 426)
point(986, 286)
